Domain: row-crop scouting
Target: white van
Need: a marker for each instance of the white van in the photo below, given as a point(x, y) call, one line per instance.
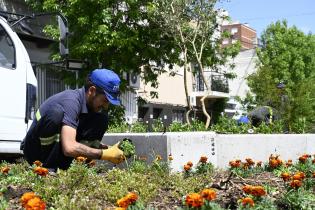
point(17, 88)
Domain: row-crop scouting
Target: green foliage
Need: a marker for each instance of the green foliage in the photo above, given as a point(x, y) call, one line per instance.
point(288, 57)
point(299, 199)
point(122, 36)
point(127, 147)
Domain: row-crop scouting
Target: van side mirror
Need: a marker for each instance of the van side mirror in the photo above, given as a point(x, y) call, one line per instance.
point(63, 39)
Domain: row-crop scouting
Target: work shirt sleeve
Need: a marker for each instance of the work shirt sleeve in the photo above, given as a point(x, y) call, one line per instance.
point(71, 113)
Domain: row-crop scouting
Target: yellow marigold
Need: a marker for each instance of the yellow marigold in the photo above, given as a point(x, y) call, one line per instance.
point(26, 197)
point(189, 163)
point(132, 197)
point(123, 202)
point(208, 194)
point(248, 201)
point(5, 169)
point(120, 208)
point(296, 183)
point(170, 157)
point(194, 200)
point(41, 171)
point(187, 167)
point(35, 204)
point(285, 176)
point(37, 163)
point(203, 159)
point(81, 159)
point(258, 191)
point(158, 158)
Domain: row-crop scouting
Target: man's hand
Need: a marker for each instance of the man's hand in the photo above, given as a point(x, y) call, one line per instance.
point(113, 154)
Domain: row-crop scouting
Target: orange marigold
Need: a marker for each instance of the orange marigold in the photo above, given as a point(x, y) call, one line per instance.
point(235, 164)
point(258, 191)
point(123, 202)
point(247, 189)
point(208, 194)
point(298, 176)
point(158, 158)
point(203, 159)
point(81, 159)
point(91, 163)
point(289, 163)
point(248, 201)
point(5, 170)
point(37, 163)
point(35, 204)
point(313, 174)
point(285, 176)
point(259, 164)
point(41, 171)
point(26, 197)
point(194, 200)
point(132, 197)
point(189, 163)
point(187, 167)
point(296, 183)
point(250, 161)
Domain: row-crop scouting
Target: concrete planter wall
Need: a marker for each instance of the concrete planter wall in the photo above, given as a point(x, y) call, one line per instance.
point(219, 148)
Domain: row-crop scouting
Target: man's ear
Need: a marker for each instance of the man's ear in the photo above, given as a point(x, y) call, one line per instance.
point(92, 90)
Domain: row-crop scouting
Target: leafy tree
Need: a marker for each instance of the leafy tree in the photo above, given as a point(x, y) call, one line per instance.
point(122, 35)
point(196, 30)
point(287, 56)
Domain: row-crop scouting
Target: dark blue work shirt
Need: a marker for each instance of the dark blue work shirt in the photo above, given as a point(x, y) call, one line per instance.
point(72, 102)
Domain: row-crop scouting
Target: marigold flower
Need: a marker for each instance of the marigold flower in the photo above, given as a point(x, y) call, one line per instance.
point(235, 164)
point(248, 201)
point(187, 167)
point(132, 197)
point(123, 202)
point(298, 176)
point(120, 208)
point(35, 204)
point(303, 159)
point(247, 189)
point(26, 197)
point(81, 159)
point(285, 176)
point(158, 158)
point(194, 200)
point(5, 170)
point(203, 159)
point(37, 163)
point(258, 191)
point(91, 163)
point(296, 183)
point(313, 161)
point(250, 161)
point(208, 194)
point(170, 157)
point(189, 163)
point(289, 163)
point(41, 171)
point(259, 164)
point(313, 174)
point(246, 165)
point(274, 161)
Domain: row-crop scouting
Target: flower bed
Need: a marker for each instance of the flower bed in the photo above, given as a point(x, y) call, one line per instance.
point(246, 184)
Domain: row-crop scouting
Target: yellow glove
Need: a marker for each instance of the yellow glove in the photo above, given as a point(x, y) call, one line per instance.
point(113, 154)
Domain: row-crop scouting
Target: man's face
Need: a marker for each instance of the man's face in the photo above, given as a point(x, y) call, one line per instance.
point(96, 102)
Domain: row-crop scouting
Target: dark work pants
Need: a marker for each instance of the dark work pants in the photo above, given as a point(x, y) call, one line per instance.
point(91, 127)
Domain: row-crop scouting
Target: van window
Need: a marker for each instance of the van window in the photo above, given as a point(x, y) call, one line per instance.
point(7, 55)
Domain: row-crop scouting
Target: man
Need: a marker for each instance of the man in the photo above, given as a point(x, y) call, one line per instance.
point(68, 119)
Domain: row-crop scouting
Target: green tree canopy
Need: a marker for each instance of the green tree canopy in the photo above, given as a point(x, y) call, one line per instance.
point(287, 56)
point(119, 35)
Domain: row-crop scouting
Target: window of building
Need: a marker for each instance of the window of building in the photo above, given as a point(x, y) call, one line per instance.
point(178, 116)
point(7, 52)
point(234, 31)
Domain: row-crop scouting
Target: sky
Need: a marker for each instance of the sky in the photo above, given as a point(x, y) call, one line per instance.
point(261, 13)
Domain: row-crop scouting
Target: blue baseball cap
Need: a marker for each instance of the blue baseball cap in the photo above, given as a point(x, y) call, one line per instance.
point(109, 81)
